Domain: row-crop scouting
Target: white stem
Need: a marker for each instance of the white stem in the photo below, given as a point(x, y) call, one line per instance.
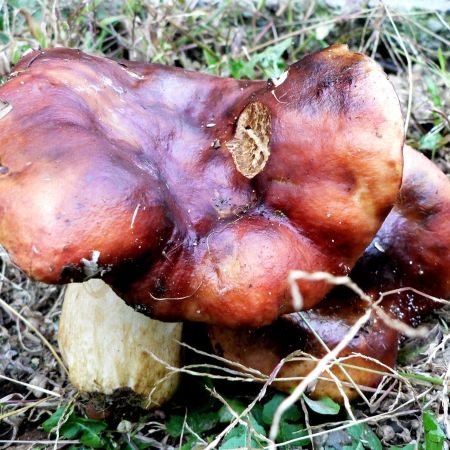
point(107, 345)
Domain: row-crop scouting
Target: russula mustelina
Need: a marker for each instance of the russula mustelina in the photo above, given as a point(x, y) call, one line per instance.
point(194, 196)
point(110, 348)
point(411, 250)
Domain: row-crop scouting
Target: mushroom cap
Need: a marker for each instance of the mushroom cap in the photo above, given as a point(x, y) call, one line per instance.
point(362, 362)
point(134, 173)
point(411, 250)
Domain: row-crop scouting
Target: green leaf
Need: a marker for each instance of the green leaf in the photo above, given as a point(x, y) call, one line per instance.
point(225, 415)
point(53, 420)
point(211, 60)
point(139, 444)
point(365, 436)
point(441, 59)
point(290, 431)
point(410, 446)
point(70, 430)
point(241, 69)
point(434, 436)
point(430, 141)
point(199, 422)
point(356, 431)
point(257, 413)
point(292, 414)
point(234, 442)
point(91, 439)
point(324, 406)
point(189, 444)
point(239, 437)
point(202, 421)
point(256, 425)
point(96, 426)
point(88, 431)
point(433, 91)
point(270, 60)
point(174, 426)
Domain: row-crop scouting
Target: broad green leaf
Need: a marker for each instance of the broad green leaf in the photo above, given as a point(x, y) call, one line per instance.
point(292, 414)
point(234, 442)
point(364, 435)
point(202, 421)
point(174, 426)
point(271, 59)
point(70, 430)
point(324, 406)
point(356, 431)
point(199, 422)
point(239, 437)
point(241, 69)
point(225, 415)
point(53, 420)
point(92, 440)
point(290, 431)
point(95, 426)
point(259, 428)
point(210, 59)
point(430, 422)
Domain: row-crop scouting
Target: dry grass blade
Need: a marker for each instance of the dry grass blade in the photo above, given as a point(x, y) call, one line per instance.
point(30, 386)
point(17, 411)
point(320, 367)
point(344, 370)
point(33, 443)
point(408, 60)
point(236, 416)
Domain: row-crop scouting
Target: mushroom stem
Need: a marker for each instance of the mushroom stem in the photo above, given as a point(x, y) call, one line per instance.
point(108, 346)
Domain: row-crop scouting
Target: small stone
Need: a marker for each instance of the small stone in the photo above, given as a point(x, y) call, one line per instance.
point(388, 433)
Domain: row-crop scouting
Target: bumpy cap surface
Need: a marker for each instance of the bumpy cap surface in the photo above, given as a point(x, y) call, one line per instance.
point(409, 257)
point(192, 195)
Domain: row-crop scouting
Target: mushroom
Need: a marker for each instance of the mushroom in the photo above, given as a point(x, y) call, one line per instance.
point(409, 255)
point(111, 350)
point(194, 196)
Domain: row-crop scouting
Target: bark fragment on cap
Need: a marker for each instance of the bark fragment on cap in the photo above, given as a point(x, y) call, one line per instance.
point(250, 147)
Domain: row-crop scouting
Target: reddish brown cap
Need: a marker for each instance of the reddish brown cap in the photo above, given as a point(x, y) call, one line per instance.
point(362, 362)
point(410, 250)
point(193, 195)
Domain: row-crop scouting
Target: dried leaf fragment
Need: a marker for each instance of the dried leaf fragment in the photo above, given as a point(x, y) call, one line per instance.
point(250, 147)
point(5, 108)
